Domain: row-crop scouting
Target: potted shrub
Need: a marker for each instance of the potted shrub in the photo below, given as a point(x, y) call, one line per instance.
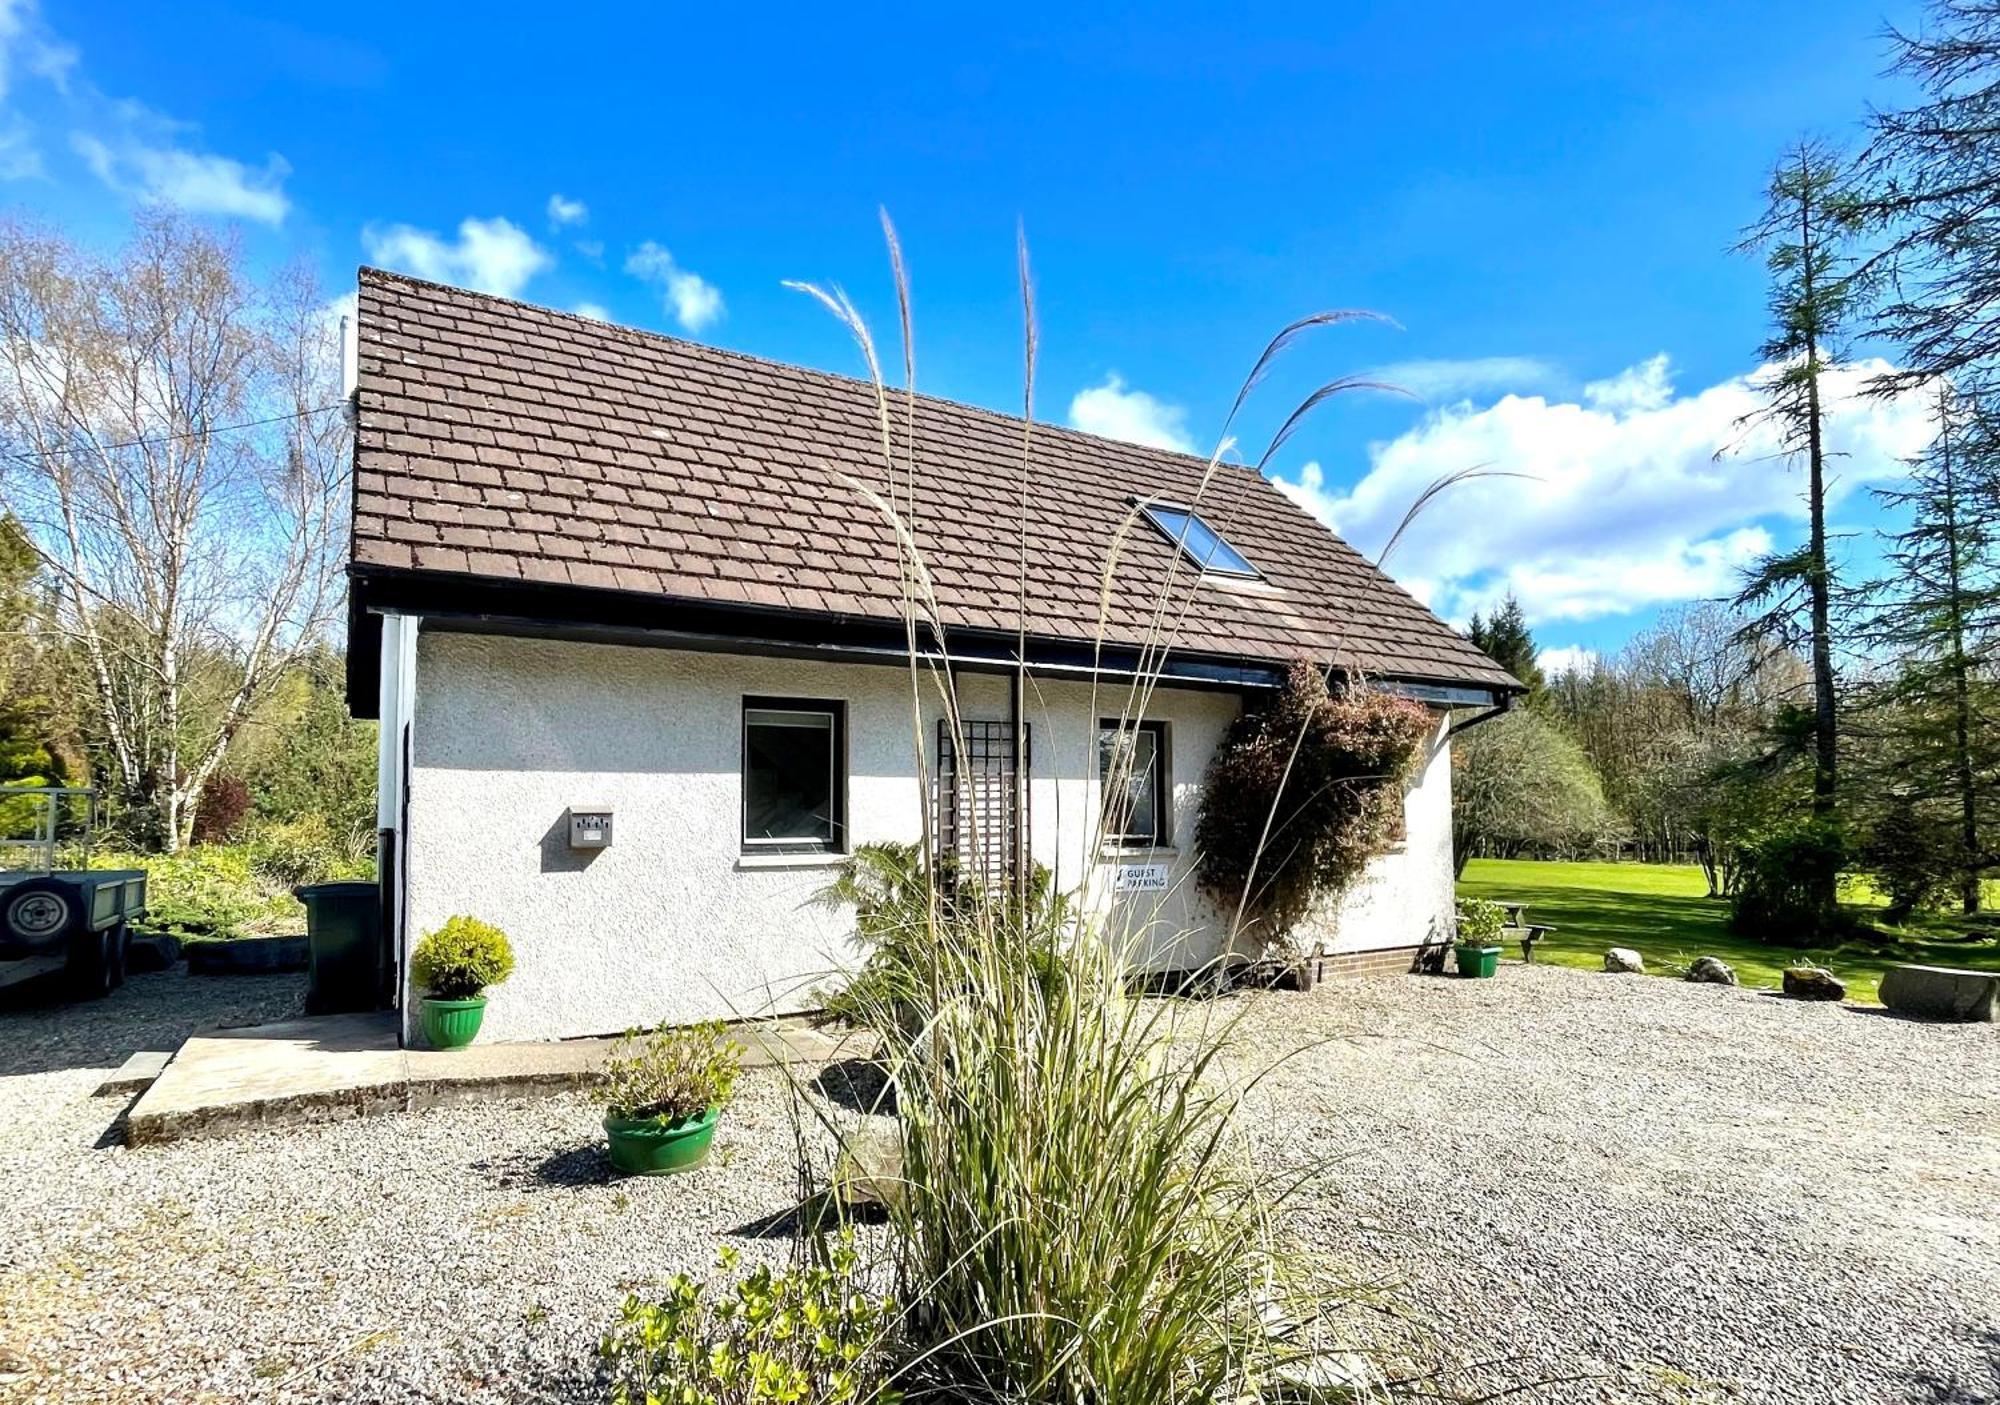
point(1478, 947)
point(453, 966)
point(664, 1093)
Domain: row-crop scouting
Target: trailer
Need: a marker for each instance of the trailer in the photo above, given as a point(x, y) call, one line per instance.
point(79, 919)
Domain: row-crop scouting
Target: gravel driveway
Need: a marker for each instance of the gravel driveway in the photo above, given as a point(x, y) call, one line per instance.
point(1656, 1191)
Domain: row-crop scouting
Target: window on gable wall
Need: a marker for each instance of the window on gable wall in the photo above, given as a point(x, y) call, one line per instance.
point(794, 776)
point(1132, 768)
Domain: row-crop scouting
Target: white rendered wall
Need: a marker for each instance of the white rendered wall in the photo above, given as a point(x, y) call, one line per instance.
point(672, 921)
point(1405, 893)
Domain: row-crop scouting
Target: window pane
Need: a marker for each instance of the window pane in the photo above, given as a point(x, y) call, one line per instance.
point(1203, 544)
point(788, 781)
point(1129, 767)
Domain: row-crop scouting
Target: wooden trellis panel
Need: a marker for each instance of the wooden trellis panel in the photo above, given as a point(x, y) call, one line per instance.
point(976, 810)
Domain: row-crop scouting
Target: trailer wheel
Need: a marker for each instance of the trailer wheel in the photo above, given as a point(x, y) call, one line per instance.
point(39, 912)
point(89, 969)
point(121, 953)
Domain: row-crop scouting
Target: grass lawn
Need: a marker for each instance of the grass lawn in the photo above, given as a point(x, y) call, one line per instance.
point(1663, 912)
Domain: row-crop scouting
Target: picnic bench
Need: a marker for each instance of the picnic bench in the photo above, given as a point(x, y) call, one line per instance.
point(1520, 928)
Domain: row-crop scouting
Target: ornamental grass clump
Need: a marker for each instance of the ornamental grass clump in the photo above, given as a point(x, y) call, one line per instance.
point(1079, 1218)
point(811, 1335)
point(461, 959)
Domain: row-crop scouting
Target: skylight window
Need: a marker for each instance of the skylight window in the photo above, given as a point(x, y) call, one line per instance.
point(1202, 543)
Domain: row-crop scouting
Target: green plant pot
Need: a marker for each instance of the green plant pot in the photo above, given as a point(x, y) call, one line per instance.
point(647, 1146)
point(1477, 960)
point(453, 1024)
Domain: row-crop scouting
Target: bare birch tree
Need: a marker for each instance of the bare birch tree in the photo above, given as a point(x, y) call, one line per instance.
point(177, 447)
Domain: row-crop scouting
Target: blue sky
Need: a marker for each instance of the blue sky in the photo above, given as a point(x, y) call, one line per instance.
point(1542, 197)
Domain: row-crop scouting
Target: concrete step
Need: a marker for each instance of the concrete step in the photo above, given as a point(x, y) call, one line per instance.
point(136, 1074)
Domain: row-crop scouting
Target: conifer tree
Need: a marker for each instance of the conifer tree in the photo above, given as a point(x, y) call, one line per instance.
point(1937, 609)
point(1806, 237)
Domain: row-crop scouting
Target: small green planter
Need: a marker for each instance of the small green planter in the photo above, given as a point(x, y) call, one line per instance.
point(646, 1146)
point(453, 1024)
point(1477, 961)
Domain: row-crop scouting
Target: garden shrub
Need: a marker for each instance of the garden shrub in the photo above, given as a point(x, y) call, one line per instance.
point(461, 958)
point(1326, 773)
point(305, 850)
point(1914, 861)
point(807, 1336)
point(671, 1073)
point(1077, 1217)
point(1785, 886)
point(886, 885)
point(225, 800)
point(204, 893)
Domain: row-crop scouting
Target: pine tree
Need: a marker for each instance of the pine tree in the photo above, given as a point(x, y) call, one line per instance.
point(1933, 173)
point(1806, 237)
point(1505, 639)
point(1937, 611)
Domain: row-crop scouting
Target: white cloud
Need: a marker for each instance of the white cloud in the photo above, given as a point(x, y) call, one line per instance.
point(692, 299)
point(1132, 415)
point(565, 211)
point(493, 256)
point(20, 159)
point(1624, 503)
point(199, 183)
point(595, 310)
point(1570, 658)
point(27, 43)
point(1454, 380)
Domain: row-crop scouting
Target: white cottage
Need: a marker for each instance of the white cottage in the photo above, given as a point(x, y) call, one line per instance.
point(635, 634)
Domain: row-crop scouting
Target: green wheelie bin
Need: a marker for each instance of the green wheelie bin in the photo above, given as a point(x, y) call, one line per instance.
point(344, 938)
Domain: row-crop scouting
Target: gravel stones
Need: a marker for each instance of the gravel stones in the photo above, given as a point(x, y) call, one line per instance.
point(1577, 1190)
point(1646, 1190)
point(1624, 960)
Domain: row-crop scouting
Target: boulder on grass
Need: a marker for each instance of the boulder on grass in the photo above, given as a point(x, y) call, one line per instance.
point(1711, 970)
point(1942, 993)
point(1814, 983)
point(1623, 959)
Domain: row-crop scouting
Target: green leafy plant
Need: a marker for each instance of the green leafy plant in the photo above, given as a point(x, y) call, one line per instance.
point(807, 1336)
point(671, 1073)
point(1304, 791)
point(461, 959)
point(1914, 860)
point(306, 850)
point(1785, 890)
point(896, 921)
point(1480, 922)
point(204, 893)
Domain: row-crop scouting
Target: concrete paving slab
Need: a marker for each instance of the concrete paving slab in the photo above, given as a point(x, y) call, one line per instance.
point(136, 1074)
point(337, 1066)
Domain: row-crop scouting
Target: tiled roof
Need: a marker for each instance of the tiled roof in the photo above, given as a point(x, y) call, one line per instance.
point(502, 441)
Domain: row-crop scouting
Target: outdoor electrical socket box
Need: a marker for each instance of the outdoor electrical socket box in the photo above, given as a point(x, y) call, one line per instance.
point(590, 826)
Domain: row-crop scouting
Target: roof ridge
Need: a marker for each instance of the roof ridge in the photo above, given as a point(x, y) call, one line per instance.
point(599, 325)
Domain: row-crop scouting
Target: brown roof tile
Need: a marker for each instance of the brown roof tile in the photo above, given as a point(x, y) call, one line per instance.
point(507, 441)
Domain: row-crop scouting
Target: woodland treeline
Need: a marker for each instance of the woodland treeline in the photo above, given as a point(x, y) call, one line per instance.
point(1838, 714)
point(173, 511)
